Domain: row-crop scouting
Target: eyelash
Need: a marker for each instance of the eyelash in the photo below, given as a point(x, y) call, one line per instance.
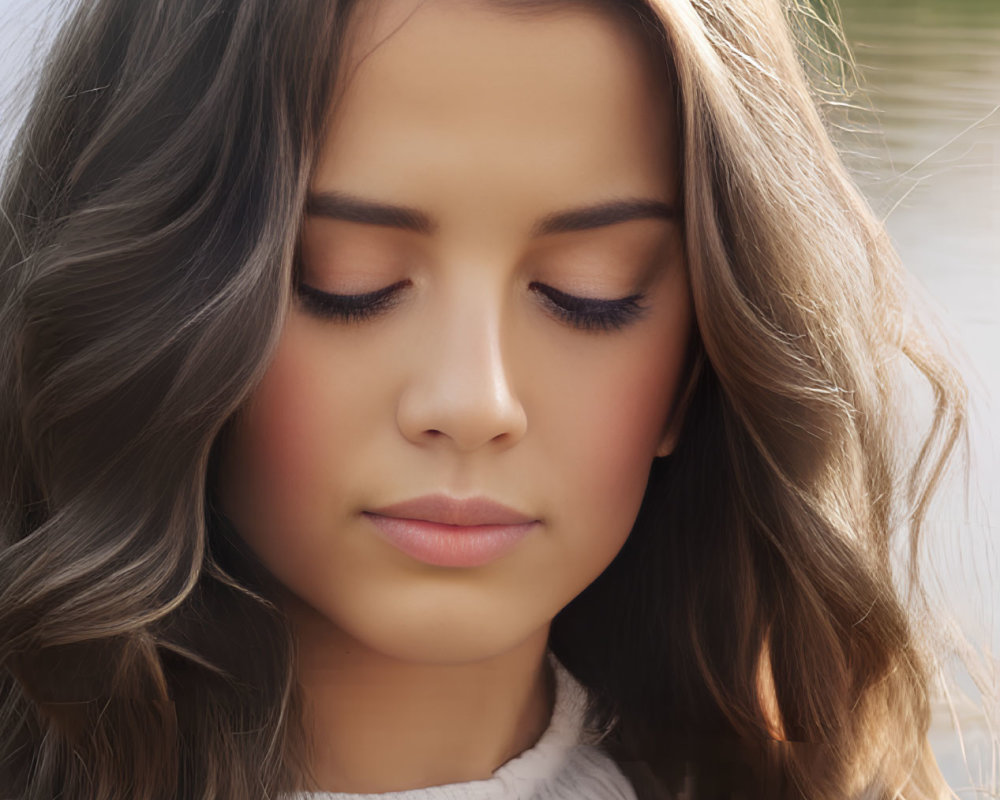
point(585, 313)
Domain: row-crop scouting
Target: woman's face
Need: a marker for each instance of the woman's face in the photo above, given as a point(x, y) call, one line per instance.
point(473, 378)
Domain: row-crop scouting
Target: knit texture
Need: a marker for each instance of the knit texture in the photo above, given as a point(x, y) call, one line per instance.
point(566, 763)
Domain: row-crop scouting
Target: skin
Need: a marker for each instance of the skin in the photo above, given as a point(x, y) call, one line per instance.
point(416, 675)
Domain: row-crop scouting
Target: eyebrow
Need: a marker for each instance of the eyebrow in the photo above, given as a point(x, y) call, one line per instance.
point(351, 208)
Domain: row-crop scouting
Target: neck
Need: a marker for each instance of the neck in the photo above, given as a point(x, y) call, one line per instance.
point(381, 724)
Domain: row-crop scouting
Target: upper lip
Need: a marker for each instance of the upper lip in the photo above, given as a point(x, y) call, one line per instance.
point(452, 511)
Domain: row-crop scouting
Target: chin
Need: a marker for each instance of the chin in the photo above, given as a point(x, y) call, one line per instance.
point(440, 642)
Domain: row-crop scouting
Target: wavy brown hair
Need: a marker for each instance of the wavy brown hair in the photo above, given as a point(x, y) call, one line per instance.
point(749, 639)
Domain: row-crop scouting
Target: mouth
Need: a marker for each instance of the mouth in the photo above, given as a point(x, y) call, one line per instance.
point(445, 510)
point(445, 532)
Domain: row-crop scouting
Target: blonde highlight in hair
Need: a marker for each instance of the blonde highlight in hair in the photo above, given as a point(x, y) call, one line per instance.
point(748, 640)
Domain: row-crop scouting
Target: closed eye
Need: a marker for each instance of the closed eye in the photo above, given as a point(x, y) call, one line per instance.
point(348, 307)
point(589, 313)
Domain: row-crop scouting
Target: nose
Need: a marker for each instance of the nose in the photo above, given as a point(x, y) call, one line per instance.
point(459, 387)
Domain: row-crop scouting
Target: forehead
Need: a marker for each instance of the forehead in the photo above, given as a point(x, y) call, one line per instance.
point(432, 87)
point(558, 27)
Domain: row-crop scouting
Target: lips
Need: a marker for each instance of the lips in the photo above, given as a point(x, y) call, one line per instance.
point(450, 511)
point(445, 532)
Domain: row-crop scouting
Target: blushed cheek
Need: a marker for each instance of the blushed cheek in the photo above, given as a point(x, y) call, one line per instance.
point(626, 438)
point(275, 457)
point(627, 412)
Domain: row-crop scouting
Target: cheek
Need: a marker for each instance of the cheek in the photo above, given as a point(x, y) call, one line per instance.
point(627, 404)
point(619, 409)
point(281, 446)
point(618, 429)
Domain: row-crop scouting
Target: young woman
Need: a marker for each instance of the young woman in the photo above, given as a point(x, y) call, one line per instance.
point(451, 398)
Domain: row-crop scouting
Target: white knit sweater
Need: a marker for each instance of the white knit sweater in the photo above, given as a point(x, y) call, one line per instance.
point(564, 764)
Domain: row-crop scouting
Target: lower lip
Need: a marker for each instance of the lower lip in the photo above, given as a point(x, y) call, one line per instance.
point(449, 545)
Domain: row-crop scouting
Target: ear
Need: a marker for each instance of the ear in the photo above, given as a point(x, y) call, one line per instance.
point(675, 420)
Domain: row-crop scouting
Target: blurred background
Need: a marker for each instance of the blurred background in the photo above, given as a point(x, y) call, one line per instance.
point(921, 134)
point(920, 130)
